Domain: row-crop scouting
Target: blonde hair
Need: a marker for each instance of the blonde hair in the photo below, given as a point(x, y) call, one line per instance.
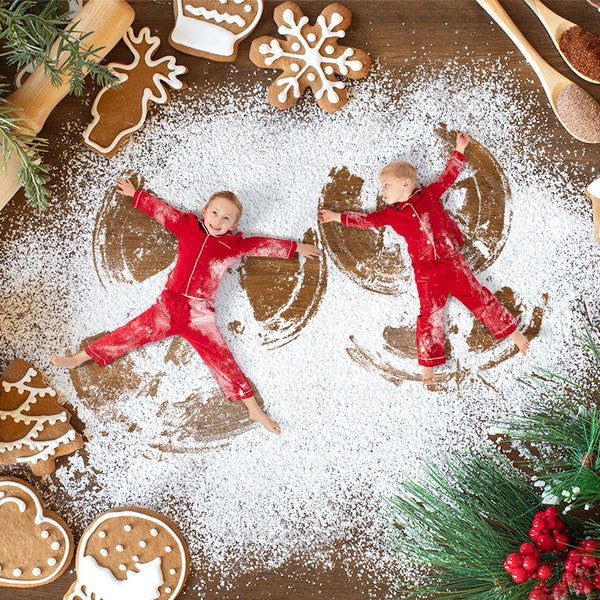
point(227, 195)
point(400, 169)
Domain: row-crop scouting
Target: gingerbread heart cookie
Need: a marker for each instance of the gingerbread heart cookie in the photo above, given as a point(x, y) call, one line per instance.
point(34, 428)
point(213, 28)
point(132, 553)
point(36, 546)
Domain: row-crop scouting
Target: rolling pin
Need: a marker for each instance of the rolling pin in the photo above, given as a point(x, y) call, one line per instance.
point(593, 193)
point(106, 21)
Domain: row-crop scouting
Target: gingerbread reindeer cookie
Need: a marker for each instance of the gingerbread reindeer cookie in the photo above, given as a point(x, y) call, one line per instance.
point(34, 428)
point(120, 111)
point(310, 56)
point(130, 553)
point(36, 546)
point(213, 28)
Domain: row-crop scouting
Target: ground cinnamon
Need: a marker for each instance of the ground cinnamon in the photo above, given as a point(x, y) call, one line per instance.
point(582, 49)
point(579, 113)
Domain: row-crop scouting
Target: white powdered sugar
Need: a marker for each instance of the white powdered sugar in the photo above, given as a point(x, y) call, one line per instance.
point(349, 434)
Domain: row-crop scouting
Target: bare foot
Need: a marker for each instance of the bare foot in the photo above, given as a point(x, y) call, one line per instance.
point(70, 362)
point(521, 341)
point(428, 377)
point(257, 414)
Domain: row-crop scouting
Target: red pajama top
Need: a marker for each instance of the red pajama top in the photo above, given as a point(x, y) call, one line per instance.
point(429, 231)
point(203, 259)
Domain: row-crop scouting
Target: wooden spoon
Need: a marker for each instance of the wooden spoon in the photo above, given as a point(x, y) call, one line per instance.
point(555, 26)
point(584, 125)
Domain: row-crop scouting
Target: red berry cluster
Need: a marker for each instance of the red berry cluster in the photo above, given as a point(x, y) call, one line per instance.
point(549, 533)
point(582, 570)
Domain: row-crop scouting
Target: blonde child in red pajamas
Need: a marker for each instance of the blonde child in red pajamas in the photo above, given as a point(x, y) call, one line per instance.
point(206, 249)
point(433, 240)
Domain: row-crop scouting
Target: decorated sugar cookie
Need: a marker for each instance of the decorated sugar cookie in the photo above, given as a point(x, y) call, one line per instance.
point(119, 112)
point(310, 56)
point(36, 546)
point(213, 28)
point(34, 428)
point(130, 553)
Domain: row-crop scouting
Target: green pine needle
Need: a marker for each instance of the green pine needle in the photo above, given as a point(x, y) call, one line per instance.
point(28, 30)
point(459, 522)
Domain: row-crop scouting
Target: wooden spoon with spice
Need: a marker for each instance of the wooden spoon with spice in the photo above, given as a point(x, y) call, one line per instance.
point(576, 110)
point(579, 48)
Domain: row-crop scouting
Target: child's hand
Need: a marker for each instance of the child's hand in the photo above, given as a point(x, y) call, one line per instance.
point(308, 251)
point(462, 141)
point(327, 216)
point(125, 187)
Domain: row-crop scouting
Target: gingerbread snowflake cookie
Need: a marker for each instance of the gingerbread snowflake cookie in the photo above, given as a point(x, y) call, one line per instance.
point(310, 56)
point(213, 28)
point(34, 428)
point(130, 553)
point(36, 546)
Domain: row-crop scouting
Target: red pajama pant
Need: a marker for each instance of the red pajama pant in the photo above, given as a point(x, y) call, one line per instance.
point(437, 280)
point(193, 320)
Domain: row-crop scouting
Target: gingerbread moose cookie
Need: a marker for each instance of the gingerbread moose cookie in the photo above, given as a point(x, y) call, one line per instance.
point(34, 428)
point(309, 56)
point(131, 553)
point(36, 546)
point(120, 111)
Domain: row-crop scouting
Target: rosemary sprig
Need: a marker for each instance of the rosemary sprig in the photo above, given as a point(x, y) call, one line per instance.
point(28, 30)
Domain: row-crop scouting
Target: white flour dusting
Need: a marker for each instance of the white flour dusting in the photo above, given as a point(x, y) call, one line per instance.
point(349, 434)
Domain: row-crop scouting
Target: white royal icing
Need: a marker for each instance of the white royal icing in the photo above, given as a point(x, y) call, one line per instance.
point(210, 37)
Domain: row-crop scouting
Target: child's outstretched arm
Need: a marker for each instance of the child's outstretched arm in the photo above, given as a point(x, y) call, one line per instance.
point(462, 141)
point(308, 251)
point(125, 187)
point(328, 216)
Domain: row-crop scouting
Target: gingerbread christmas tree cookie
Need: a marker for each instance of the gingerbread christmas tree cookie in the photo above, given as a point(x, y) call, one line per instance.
point(310, 56)
point(34, 428)
point(36, 546)
point(118, 112)
point(130, 552)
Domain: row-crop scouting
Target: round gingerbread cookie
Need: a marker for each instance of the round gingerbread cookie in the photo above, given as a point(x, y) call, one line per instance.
point(128, 553)
point(36, 546)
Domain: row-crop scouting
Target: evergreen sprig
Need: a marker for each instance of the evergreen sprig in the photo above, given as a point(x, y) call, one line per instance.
point(459, 522)
point(28, 31)
point(564, 429)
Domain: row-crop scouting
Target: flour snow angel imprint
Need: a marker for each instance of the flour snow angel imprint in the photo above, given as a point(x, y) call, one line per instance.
point(310, 57)
point(132, 553)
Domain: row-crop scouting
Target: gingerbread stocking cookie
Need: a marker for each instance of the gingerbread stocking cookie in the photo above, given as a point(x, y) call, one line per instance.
point(34, 428)
point(36, 546)
point(213, 28)
point(132, 553)
point(310, 56)
point(119, 112)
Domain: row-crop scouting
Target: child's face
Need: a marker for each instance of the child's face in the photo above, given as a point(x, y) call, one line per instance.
point(220, 216)
point(394, 189)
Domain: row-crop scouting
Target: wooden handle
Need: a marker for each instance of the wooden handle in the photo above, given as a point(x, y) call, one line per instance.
point(555, 24)
point(107, 20)
point(595, 215)
point(544, 71)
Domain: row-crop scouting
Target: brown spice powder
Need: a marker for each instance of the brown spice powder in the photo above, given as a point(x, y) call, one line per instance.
point(579, 113)
point(582, 49)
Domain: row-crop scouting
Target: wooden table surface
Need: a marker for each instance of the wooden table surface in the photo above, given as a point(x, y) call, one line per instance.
point(389, 30)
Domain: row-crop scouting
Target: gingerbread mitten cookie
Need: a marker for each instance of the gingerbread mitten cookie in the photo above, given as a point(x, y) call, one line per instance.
point(213, 28)
point(34, 428)
point(36, 546)
point(130, 553)
point(309, 56)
